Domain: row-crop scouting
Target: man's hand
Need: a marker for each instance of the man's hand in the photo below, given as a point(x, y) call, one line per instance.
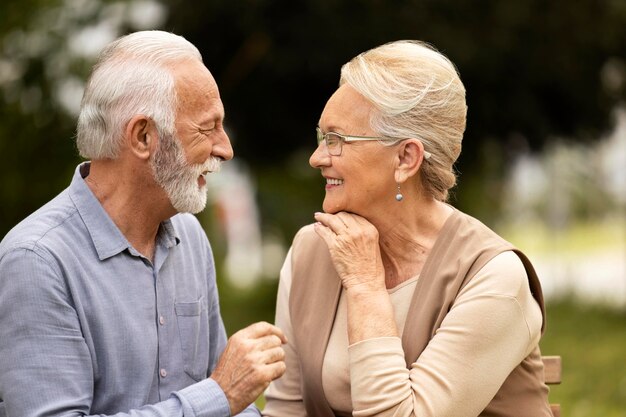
point(253, 358)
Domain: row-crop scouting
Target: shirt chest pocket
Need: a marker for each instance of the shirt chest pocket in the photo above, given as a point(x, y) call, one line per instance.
point(193, 329)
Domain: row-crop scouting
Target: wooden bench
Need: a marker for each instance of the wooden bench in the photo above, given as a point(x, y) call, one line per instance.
point(552, 376)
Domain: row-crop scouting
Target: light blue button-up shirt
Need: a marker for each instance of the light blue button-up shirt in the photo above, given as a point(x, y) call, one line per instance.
point(89, 326)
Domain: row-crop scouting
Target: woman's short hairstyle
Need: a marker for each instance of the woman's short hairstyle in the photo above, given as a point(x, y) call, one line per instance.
point(417, 93)
point(130, 77)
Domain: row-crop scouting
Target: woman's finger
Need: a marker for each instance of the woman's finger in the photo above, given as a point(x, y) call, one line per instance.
point(331, 221)
point(325, 233)
point(348, 219)
point(354, 222)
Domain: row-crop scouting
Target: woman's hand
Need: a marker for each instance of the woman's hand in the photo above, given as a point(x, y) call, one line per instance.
point(355, 252)
point(353, 245)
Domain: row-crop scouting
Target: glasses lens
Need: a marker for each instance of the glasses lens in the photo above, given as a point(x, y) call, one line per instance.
point(333, 143)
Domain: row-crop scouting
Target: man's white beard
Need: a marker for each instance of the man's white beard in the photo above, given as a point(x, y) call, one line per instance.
point(178, 178)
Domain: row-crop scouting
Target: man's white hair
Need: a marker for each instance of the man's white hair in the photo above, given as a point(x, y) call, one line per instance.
point(130, 77)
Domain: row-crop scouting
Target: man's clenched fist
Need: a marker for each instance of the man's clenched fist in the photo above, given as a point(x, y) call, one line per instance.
point(253, 358)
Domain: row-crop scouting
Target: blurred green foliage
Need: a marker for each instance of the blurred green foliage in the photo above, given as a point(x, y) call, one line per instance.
point(533, 70)
point(242, 307)
point(35, 134)
point(591, 341)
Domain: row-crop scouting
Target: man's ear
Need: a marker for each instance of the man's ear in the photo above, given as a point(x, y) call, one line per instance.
point(142, 136)
point(409, 158)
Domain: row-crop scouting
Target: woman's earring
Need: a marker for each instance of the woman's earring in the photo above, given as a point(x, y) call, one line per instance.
point(399, 196)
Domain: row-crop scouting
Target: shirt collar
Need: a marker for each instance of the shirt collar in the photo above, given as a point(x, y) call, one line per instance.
point(167, 234)
point(106, 236)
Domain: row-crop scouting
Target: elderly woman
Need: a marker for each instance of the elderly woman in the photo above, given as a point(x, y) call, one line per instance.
point(394, 302)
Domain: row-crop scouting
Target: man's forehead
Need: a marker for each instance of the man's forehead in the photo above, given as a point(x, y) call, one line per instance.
point(193, 74)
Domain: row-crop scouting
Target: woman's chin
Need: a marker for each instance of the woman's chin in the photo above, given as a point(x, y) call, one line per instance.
point(331, 208)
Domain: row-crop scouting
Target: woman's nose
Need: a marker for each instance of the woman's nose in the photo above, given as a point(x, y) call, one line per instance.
point(319, 157)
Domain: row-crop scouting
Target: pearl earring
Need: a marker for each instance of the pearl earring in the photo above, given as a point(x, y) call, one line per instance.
point(399, 196)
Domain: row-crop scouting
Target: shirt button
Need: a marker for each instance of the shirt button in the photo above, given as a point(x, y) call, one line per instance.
point(163, 373)
point(161, 320)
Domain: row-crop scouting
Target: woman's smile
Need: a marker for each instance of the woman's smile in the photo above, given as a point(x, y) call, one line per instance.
point(333, 182)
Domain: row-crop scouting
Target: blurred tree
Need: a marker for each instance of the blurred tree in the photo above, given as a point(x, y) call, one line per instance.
point(46, 50)
point(35, 136)
point(533, 69)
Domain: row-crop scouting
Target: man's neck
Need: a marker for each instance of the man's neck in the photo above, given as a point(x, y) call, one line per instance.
point(135, 203)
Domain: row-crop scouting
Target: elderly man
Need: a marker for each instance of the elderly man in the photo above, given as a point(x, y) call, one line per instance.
point(108, 300)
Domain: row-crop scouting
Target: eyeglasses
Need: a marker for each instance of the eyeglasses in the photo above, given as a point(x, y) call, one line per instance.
point(334, 141)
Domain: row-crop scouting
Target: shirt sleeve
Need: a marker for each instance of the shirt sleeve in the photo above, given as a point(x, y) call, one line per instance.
point(45, 365)
point(284, 395)
point(492, 326)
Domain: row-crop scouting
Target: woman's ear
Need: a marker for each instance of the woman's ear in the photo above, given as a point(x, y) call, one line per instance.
point(141, 136)
point(410, 158)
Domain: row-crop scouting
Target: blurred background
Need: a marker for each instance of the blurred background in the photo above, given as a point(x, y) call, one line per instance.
point(543, 161)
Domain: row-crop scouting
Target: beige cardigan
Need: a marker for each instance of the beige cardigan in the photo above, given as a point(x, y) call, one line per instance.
point(463, 248)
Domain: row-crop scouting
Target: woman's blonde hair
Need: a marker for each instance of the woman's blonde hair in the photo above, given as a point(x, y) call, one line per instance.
point(417, 93)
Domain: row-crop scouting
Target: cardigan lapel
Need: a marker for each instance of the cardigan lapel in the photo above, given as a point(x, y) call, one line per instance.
point(314, 308)
point(417, 331)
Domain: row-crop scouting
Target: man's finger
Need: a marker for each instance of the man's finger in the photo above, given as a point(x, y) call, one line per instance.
point(276, 369)
point(269, 342)
point(276, 354)
point(262, 328)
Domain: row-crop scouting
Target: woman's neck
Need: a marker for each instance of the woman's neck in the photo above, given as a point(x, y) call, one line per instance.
point(407, 237)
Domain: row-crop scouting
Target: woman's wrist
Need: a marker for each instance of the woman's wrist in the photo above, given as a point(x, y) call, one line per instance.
point(364, 286)
point(370, 314)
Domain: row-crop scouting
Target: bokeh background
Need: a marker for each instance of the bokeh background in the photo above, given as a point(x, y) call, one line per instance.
point(543, 161)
